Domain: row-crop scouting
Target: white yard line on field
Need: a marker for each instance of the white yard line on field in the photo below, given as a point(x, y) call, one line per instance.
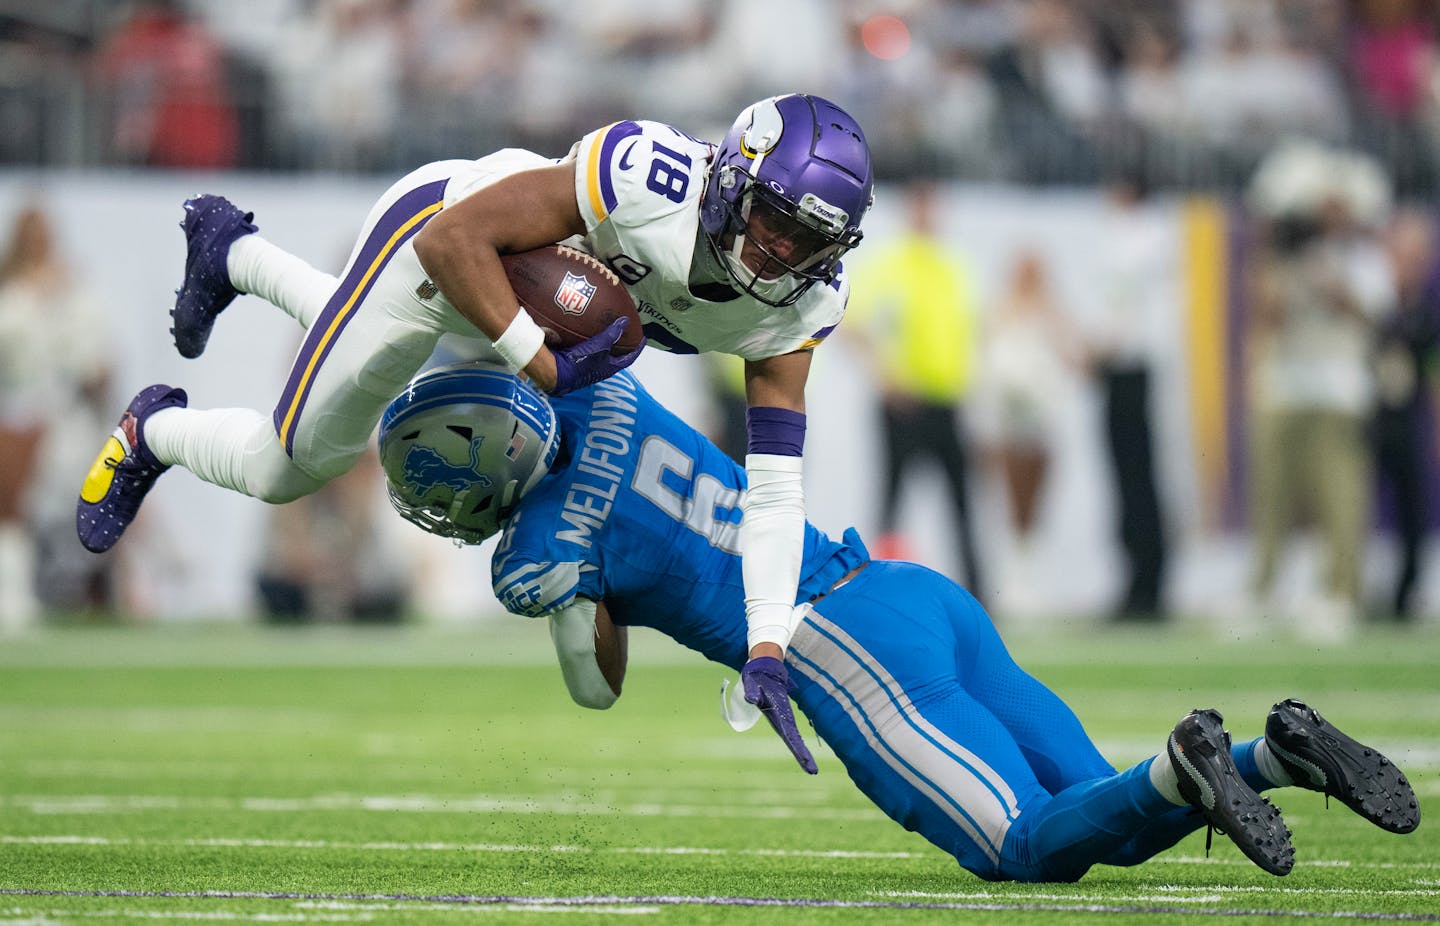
point(1424, 887)
point(595, 787)
point(229, 842)
point(563, 804)
point(351, 913)
point(601, 901)
point(13, 916)
point(1170, 894)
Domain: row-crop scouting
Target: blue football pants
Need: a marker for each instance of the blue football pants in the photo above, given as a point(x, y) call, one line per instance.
point(904, 676)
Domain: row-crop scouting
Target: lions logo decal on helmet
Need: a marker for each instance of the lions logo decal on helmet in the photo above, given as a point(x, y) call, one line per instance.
point(425, 469)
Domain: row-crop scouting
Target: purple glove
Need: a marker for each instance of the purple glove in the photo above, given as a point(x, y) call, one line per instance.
point(591, 361)
point(767, 686)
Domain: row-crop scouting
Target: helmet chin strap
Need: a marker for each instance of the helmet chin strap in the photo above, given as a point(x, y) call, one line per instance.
point(508, 495)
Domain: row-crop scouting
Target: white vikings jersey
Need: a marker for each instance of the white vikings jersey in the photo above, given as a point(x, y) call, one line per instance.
point(638, 185)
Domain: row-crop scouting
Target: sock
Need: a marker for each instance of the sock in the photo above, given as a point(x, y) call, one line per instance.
point(1163, 777)
point(231, 447)
point(1268, 765)
point(256, 266)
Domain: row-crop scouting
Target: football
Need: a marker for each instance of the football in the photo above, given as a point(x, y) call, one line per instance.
point(571, 295)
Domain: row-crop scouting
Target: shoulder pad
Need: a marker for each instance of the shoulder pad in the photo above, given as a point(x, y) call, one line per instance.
point(631, 172)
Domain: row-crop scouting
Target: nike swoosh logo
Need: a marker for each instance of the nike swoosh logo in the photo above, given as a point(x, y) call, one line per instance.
point(624, 164)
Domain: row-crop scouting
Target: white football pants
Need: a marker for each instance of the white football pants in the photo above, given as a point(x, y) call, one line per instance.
point(369, 332)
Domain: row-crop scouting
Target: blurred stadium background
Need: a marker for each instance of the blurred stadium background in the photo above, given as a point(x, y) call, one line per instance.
point(1025, 113)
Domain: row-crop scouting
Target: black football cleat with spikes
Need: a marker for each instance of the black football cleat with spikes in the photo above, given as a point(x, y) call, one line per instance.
point(1322, 758)
point(1199, 750)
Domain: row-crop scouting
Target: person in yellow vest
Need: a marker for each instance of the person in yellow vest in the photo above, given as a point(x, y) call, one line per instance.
point(913, 307)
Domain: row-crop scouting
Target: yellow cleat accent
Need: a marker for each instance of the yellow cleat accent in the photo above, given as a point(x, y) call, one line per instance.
point(102, 471)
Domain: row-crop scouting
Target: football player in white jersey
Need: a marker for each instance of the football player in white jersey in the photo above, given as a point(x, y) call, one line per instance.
point(734, 249)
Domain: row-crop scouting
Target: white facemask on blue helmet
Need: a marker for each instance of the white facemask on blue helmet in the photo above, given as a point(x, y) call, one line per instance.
point(462, 445)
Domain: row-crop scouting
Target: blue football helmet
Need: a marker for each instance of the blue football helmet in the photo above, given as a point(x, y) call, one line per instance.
point(793, 180)
point(462, 445)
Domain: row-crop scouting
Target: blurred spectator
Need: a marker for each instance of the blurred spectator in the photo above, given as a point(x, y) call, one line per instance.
point(660, 58)
point(1136, 266)
point(460, 57)
point(1034, 90)
point(1208, 25)
point(559, 97)
point(1255, 90)
point(959, 134)
point(1053, 93)
point(1407, 357)
point(164, 78)
point(761, 48)
point(1151, 90)
point(1319, 288)
point(53, 372)
point(1028, 361)
point(1393, 66)
point(912, 315)
point(977, 27)
point(328, 556)
point(1393, 56)
point(339, 85)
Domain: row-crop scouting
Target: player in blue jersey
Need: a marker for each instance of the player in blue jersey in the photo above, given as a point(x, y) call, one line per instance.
point(734, 248)
point(615, 514)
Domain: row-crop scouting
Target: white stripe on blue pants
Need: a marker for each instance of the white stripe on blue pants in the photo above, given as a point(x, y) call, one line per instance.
point(904, 676)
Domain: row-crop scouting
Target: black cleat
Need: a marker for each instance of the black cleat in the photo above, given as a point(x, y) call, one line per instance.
point(1199, 750)
point(1321, 758)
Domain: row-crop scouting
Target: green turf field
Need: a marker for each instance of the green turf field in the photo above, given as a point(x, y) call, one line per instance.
point(442, 775)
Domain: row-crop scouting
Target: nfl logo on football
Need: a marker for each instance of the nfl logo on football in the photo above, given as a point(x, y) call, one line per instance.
point(574, 294)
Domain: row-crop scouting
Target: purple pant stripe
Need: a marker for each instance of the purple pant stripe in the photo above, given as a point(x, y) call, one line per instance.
point(393, 229)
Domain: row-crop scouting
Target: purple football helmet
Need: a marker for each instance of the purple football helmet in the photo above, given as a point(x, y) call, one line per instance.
point(791, 181)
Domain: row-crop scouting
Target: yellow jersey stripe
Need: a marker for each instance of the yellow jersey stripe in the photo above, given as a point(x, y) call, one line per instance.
point(592, 174)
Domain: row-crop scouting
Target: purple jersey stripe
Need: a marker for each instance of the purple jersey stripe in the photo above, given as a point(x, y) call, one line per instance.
point(399, 223)
point(618, 133)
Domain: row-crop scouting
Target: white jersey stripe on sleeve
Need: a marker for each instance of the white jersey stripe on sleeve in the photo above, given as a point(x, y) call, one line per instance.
point(533, 589)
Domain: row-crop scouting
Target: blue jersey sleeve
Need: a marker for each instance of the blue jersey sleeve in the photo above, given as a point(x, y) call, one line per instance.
point(528, 584)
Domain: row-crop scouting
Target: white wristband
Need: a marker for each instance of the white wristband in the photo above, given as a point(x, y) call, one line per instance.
point(520, 342)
